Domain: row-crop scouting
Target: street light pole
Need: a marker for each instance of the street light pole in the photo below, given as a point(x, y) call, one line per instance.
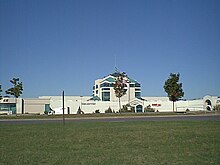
point(63, 109)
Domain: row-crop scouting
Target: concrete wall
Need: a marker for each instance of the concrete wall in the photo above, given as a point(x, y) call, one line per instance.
point(161, 104)
point(35, 106)
point(86, 105)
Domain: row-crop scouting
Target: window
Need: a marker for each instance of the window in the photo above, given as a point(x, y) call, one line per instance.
point(106, 85)
point(105, 96)
point(96, 86)
point(138, 94)
point(137, 85)
point(137, 89)
point(47, 107)
point(132, 85)
point(8, 107)
point(106, 89)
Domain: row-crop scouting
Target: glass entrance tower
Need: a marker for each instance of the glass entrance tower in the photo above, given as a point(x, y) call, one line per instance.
point(103, 88)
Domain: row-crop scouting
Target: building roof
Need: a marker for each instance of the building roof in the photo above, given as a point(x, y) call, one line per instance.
point(115, 74)
point(109, 79)
point(95, 98)
point(132, 80)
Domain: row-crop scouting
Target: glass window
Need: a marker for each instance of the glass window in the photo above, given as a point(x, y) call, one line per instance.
point(106, 85)
point(8, 107)
point(105, 96)
point(102, 85)
point(138, 94)
point(47, 107)
point(137, 85)
point(107, 89)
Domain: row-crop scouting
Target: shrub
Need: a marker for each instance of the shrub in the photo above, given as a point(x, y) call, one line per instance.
point(97, 111)
point(109, 110)
point(216, 107)
point(127, 108)
point(149, 109)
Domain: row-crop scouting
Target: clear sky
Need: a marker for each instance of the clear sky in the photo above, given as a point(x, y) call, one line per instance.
point(55, 45)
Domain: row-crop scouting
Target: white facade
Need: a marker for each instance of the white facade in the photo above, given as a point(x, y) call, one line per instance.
point(73, 103)
point(104, 98)
point(159, 104)
point(104, 89)
point(24, 105)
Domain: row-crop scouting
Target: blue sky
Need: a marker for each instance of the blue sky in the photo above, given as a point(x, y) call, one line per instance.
point(55, 45)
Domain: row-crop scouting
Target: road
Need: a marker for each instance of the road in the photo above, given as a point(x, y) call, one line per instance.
point(213, 117)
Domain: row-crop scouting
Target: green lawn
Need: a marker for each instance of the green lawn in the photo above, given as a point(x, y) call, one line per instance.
point(183, 142)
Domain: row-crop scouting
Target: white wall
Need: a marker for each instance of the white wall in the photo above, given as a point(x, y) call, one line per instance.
point(162, 104)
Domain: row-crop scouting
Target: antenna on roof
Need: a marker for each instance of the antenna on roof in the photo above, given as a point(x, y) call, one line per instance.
point(115, 68)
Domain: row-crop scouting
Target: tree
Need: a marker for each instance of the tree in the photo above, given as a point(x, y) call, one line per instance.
point(173, 88)
point(17, 88)
point(119, 87)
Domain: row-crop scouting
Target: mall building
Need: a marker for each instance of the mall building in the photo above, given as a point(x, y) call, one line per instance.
point(103, 99)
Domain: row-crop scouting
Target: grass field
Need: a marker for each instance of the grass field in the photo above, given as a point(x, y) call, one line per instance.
point(183, 142)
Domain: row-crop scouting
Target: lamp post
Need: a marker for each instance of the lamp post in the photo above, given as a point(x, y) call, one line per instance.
point(63, 109)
